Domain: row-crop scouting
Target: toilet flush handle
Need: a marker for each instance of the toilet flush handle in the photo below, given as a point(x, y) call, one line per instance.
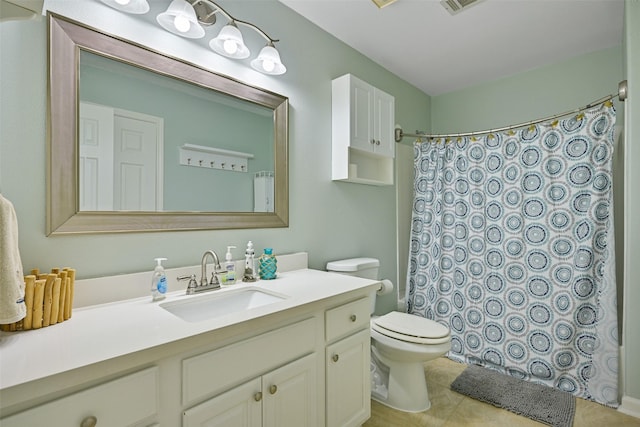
point(89, 421)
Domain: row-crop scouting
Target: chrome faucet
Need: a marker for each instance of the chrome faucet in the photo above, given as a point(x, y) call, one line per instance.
point(211, 285)
point(203, 270)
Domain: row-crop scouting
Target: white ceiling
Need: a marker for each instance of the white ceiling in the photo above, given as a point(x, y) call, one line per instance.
point(419, 41)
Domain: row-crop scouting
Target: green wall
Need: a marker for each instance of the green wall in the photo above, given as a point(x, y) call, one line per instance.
point(631, 335)
point(540, 93)
point(534, 94)
point(562, 87)
point(329, 220)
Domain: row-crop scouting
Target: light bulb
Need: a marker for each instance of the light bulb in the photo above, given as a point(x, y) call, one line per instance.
point(230, 46)
point(268, 65)
point(181, 23)
point(123, 2)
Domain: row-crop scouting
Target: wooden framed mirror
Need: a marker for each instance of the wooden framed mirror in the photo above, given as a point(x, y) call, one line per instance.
point(73, 183)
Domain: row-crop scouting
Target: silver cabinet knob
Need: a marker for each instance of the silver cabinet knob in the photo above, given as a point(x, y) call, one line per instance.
point(335, 357)
point(273, 389)
point(373, 142)
point(378, 142)
point(258, 396)
point(89, 421)
point(353, 317)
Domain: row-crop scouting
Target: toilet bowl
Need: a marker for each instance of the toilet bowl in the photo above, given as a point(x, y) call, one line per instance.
point(400, 345)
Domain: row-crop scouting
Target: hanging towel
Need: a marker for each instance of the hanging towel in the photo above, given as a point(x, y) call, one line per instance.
point(12, 306)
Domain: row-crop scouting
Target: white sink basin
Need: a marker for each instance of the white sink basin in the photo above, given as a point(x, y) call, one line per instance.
point(220, 303)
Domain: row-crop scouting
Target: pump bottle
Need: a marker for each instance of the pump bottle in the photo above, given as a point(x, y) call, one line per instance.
point(230, 268)
point(158, 281)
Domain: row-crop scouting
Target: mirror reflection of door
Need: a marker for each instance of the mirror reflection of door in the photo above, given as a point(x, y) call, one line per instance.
point(121, 158)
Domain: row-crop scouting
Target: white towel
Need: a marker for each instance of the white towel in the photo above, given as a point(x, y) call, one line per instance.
point(12, 306)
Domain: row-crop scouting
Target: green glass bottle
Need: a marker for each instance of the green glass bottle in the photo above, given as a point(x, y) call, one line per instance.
point(268, 265)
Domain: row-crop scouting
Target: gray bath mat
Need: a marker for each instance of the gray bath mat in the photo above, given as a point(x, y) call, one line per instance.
point(540, 403)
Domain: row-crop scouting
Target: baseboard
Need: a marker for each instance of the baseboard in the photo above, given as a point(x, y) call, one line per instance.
point(630, 406)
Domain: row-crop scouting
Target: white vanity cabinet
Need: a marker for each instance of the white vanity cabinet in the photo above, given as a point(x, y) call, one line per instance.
point(131, 400)
point(283, 391)
point(305, 363)
point(363, 144)
point(285, 397)
point(348, 357)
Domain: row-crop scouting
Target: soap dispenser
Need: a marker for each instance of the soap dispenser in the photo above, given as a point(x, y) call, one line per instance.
point(158, 281)
point(249, 264)
point(230, 268)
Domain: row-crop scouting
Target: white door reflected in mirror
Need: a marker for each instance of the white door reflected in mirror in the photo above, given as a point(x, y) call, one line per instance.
point(121, 158)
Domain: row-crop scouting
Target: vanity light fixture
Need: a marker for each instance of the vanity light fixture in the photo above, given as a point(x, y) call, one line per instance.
point(186, 18)
point(130, 6)
point(180, 18)
point(268, 61)
point(230, 43)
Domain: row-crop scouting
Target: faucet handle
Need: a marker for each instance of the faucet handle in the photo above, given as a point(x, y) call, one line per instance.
point(214, 279)
point(193, 283)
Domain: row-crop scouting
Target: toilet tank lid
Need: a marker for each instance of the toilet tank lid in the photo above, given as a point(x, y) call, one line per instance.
point(352, 264)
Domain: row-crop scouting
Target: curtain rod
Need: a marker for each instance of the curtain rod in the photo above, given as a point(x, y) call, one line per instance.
point(622, 95)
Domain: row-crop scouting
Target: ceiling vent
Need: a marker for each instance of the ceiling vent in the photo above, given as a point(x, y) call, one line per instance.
point(383, 3)
point(456, 6)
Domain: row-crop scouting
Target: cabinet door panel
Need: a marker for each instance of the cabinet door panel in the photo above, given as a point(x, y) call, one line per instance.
point(290, 395)
point(235, 408)
point(348, 381)
point(384, 124)
point(361, 115)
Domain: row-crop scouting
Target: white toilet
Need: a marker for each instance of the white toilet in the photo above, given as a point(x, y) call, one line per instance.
point(400, 344)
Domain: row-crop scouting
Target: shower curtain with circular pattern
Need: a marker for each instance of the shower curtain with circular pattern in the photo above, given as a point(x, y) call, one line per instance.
point(512, 248)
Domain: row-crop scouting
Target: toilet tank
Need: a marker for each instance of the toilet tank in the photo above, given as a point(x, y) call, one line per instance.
point(366, 268)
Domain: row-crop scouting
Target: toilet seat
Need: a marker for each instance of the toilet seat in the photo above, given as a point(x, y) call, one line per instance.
point(410, 328)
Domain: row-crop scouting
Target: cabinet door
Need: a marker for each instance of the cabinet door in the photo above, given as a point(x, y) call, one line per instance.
point(349, 381)
point(238, 407)
point(362, 104)
point(384, 117)
point(290, 395)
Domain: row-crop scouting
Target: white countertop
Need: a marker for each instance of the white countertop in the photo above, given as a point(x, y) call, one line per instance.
point(97, 333)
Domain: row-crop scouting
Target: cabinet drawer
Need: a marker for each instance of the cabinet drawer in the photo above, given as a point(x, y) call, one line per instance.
point(212, 372)
point(122, 402)
point(347, 318)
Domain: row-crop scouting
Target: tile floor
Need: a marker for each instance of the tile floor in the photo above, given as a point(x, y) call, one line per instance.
point(451, 409)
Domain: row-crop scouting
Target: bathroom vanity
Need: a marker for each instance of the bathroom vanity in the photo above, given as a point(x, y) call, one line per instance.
point(301, 359)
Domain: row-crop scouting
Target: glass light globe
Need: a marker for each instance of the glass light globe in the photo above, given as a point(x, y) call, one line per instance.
point(230, 46)
point(180, 18)
point(182, 23)
point(229, 42)
point(268, 65)
point(269, 62)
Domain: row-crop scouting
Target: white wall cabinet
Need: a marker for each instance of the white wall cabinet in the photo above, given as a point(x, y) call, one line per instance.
point(363, 144)
point(348, 359)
